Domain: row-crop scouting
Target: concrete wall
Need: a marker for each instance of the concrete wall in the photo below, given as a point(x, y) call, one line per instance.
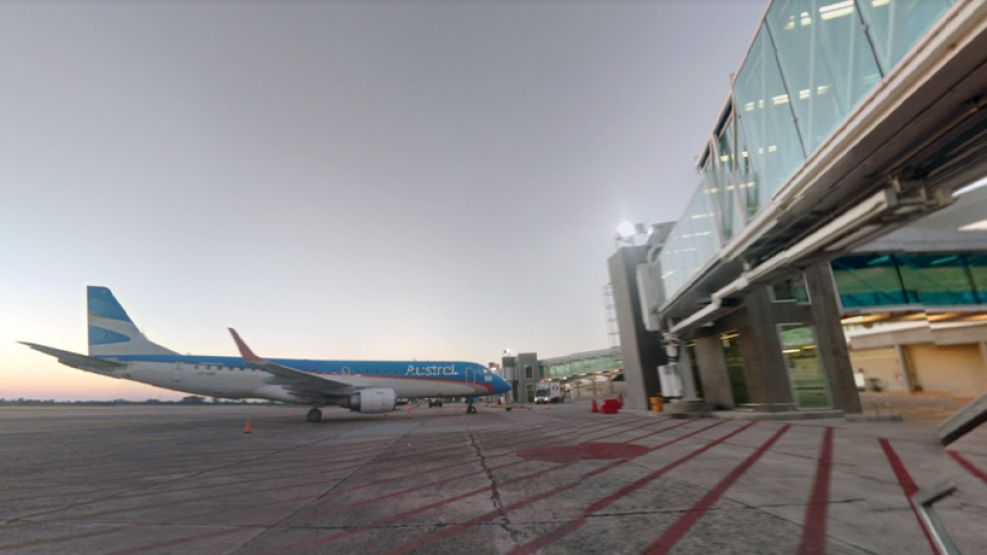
point(641, 349)
point(713, 372)
point(882, 364)
point(954, 369)
point(526, 385)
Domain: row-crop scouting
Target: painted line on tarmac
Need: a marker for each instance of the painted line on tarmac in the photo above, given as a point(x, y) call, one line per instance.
point(440, 482)
point(360, 461)
point(680, 527)
point(421, 542)
point(282, 487)
point(817, 511)
point(604, 432)
point(908, 486)
point(165, 461)
point(573, 525)
point(969, 466)
point(597, 429)
point(309, 544)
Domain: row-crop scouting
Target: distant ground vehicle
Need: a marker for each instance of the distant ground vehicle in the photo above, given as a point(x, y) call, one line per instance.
point(549, 392)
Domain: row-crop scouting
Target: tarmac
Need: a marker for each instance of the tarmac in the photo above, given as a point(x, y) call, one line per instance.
point(559, 479)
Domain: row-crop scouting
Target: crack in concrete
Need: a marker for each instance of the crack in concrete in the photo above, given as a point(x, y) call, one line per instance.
point(504, 521)
point(356, 469)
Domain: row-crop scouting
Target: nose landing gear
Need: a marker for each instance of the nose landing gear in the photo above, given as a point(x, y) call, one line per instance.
point(314, 415)
point(470, 409)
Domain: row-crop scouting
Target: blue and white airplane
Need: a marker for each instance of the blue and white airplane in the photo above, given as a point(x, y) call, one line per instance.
point(119, 350)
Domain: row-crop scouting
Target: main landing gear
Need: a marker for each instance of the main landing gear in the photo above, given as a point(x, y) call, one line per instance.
point(314, 415)
point(470, 409)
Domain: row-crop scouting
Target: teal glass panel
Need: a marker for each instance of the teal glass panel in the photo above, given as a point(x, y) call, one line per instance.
point(692, 242)
point(936, 279)
point(722, 187)
point(977, 263)
point(747, 179)
point(764, 112)
point(798, 345)
point(826, 60)
point(868, 280)
point(896, 25)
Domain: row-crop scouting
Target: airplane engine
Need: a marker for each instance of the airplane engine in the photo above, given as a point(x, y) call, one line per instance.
point(373, 400)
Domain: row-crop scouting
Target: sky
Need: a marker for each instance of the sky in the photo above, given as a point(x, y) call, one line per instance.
point(367, 180)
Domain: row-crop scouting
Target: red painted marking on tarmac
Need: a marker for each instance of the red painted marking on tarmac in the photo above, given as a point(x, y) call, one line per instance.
point(573, 525)
point(415, 544)
point(406, 491)
point(69, 537)
point(658, 431)
point(213, 513)
point(416, 488)
point(288, 486)
point(582, 451)
point(908, 485)
point(968, 465)
point(680, 527)
point(412, 512)
point(817, 511)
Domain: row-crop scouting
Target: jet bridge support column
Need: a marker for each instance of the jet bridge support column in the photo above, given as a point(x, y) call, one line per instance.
point(640, 349)
point(767, 376)
point(833, 351)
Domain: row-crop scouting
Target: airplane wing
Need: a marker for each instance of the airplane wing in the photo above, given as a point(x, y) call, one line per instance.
point(82, 362)
point(302, 383)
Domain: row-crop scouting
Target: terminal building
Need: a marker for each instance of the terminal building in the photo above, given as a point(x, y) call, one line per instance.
point(584, 375)
point(829, 243)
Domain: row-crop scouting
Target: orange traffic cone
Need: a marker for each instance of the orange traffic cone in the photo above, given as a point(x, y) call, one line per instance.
point(595, 408)
point(248, 427)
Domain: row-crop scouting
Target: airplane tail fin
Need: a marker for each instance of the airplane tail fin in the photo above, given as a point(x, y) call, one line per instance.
point(111, 331)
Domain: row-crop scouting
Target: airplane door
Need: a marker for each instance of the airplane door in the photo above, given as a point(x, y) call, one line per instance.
point(470, 376)
point(176, 374)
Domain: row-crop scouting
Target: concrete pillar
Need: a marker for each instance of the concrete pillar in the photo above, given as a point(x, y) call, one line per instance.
point(689, 392)
point(903, 366)
point(641, 349)
point(833, 353)
point(713, 372)
point(767, 376)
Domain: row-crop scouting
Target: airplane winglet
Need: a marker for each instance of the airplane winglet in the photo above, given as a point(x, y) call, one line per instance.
point(245, 351)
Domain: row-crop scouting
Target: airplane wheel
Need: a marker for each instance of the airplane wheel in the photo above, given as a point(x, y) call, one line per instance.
point(314, 415)
point(471, 410)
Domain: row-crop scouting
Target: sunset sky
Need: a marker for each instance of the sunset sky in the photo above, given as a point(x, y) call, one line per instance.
point(434, 180)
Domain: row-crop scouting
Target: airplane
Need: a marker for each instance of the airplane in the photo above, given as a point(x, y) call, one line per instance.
point(119, 350)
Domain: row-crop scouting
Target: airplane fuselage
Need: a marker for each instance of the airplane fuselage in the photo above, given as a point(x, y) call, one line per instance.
point(233, 377)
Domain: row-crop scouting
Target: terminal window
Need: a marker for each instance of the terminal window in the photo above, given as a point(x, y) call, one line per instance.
point(798, 345)
point(736, 370)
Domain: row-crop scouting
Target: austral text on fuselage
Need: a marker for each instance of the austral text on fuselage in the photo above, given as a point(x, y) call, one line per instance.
point(432, 370)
